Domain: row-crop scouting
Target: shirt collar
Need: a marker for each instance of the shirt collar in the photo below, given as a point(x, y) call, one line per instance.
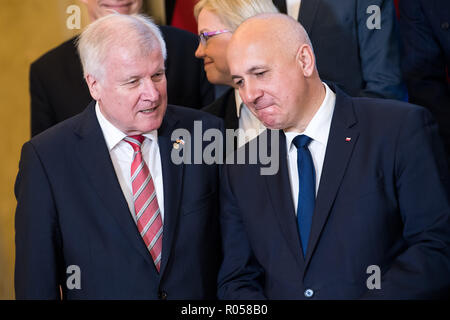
point(319, 126)
point(114, 136)
point(238, 100)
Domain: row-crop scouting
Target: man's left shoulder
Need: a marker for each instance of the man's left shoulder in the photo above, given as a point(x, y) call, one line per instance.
point(378, 109)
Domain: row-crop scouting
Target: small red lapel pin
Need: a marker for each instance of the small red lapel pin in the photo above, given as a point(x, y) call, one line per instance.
point(348, 139)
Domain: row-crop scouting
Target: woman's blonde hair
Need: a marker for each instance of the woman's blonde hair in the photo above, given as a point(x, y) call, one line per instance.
point(233, 12)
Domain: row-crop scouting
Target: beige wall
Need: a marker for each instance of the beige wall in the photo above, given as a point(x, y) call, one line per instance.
point(29, 28)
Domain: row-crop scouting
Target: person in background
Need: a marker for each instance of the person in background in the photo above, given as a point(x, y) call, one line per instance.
point(217, 19)
point(58, 91)
point(425, 30)
point(359, 207)
point(351, 50)
point(99, 197)
point(179, 13)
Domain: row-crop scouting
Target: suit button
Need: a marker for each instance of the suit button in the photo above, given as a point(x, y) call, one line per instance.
point(445, 25)
point(162, 295)
point(309, 293)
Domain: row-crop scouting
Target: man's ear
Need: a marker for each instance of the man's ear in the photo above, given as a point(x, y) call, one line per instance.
point(94, 86)
point(305, 57)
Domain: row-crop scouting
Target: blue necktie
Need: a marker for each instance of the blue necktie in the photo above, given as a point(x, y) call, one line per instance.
point(307, 189)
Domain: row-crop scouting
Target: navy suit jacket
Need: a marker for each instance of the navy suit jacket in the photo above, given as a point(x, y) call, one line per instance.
point(225, 108)
point(363, 62)
point(382, 200)
point(71, 211)
point(58, 90)
point(425, 30)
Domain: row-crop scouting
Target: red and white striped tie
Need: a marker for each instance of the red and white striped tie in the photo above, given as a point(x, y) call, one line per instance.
point(148, 215)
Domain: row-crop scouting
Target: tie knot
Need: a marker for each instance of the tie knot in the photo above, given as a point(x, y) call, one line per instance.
point(135, 141)
point(301, 141)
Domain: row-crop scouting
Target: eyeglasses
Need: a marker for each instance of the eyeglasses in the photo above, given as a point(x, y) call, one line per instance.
point(204, 36)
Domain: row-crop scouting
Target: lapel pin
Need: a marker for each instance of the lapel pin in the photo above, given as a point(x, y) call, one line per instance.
point(348, 139)
point(177, 143)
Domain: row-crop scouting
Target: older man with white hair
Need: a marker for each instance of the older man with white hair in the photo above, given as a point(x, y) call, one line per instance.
point(102, 210)
point(57, 88)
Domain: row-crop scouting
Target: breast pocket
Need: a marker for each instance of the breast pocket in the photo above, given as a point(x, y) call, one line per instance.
point(200, 204)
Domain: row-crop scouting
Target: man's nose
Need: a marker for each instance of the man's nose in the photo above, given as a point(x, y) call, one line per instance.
point(149, 90)
point(250, 93)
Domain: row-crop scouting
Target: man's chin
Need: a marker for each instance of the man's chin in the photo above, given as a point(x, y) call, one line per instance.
point(122, 10)
point(270, 122)
point(154, 125)
point(147, 125)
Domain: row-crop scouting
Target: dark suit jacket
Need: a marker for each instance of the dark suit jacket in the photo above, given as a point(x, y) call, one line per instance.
point(425, 30)
point(71, 211)
point(361, 61)
point(225, 108)
point(58, 90)
point(382, 201)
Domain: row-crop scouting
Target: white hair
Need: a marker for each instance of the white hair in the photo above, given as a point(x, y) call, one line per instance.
point(100, 37)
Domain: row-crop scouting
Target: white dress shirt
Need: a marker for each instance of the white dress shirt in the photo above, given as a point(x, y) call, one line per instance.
point(318, 130)
point(121, 154)
point(247, 121)
point(293, 8)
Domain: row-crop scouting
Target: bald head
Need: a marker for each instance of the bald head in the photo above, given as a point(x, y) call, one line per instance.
point(272, 62)
point(278, 31)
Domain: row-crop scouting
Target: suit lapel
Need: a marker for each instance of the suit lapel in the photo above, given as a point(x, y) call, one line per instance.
point(337, 156)
point(231, 120)
point(307, 14)
point(93, 155)
point(281, 5)
point(279, 188)
point(173, 181)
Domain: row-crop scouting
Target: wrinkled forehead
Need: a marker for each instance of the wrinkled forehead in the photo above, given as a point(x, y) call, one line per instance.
point(129, 52)
point(124, 62)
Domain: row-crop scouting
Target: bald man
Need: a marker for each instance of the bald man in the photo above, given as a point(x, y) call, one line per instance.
point(359, 206)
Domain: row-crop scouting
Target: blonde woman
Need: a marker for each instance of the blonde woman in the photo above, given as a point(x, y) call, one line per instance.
point(217, 19)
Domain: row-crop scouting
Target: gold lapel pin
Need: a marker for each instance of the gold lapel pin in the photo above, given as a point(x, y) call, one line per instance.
point(177, 143)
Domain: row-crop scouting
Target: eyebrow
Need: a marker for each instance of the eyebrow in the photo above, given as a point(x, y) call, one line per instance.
point(128, 79)
point(162, 69)
point(249, 71)
point(138, 76)
point(253, 69)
